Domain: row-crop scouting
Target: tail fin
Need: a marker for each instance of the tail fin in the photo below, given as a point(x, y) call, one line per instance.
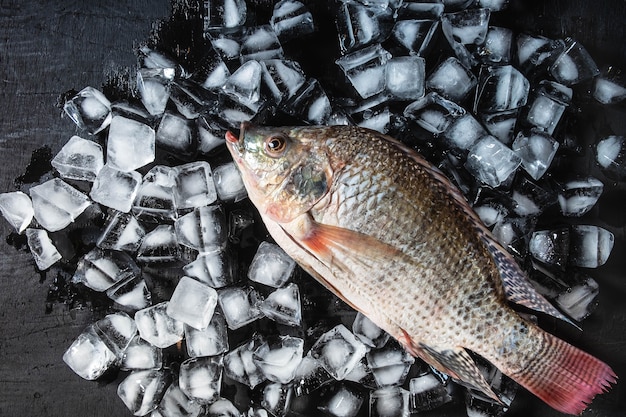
point(565, 377)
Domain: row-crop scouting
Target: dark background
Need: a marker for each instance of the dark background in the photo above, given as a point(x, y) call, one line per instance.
point(48, 48)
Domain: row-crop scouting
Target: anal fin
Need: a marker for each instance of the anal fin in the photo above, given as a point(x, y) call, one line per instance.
point(454, 361)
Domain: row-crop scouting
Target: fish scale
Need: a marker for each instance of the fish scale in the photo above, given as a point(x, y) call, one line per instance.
point(390, 235)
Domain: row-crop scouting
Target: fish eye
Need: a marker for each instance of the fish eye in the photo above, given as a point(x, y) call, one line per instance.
point(275, 145)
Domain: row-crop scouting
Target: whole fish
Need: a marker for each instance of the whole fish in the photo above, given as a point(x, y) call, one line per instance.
point(390, 235)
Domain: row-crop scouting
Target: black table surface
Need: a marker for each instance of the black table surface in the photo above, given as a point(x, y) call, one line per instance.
point(47, 48)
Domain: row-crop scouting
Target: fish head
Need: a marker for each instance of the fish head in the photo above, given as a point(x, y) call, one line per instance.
point(285, 170)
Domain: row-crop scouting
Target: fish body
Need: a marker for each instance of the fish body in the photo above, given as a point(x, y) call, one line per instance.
point(390, 235)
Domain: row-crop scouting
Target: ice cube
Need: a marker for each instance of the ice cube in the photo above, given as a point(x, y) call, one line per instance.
point(341, 400)
point(141, 391)
point(574, 65)
point(501, 124)
point(41, 247)
point(427, 392)
point(204, 229)
point(240, 366)
point(116, 189)
point(390, 364)
point(466, 27)
point(79, 159)
point(545, 113)
point(359, 25)
point(228, 183)
point(282, 77)
point(533, 51)
point(414, 35)
point(193, 303)
point(194, 185)
point(537, 150)
point(271, 265)
point(88, 356)
point(310, 376)
point(141, 355)
point(223, 408)
point(362, 375)
point(433, 112)
point(100, 269)
point(551, 246)
point(405, 77)
point(240, 305)
point(89, 109)
point(210, 341)
point(610, 155)
point(276, 398)
point(590, 246)
point(130, 144)
point(430, 9)
point(529, 198)
point(210, 134)
point(368, 332)
point(200, 378)
point(463, 132)
point(365, 69)
point(278, 358)
point(131, 293)
point(577, 197)
point(56, 204)
point(166, 66)
point(157, 327)
point(259, 44)
point(155, 200)
point(579, 301)
point(497, 46)
point(17, 208)
point(214, 268)
point(310, 103)
point(608, 89)
point(175, 134)
point(224, 14)
point(491, 162)
point(153, 89)
point(116, 331)
point(500, 88)
point(283, 306)
point(160, 245)
point(291, 19)
point(176, 404)
point(494, 5)
point(451, 80)
point(338, 350)
point(389, 402)
point(121, 232)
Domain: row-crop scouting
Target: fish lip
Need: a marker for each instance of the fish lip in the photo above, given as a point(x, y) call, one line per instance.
point(236, 142)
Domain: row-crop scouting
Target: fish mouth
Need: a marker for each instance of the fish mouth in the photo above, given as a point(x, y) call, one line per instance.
point(232, 140)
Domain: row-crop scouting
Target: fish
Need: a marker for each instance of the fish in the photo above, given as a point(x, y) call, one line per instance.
point(389, 234)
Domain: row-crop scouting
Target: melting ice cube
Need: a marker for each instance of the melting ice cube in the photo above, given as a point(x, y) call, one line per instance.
point(100, 269)
point(404, 77)
point(291, 19)
point(609, 90)
point(427, 392)
point(390, 364)
point(228, 183)
point(131, 293)
point(414, 35)
point(240, 366)
point(310, 103)
point(579, 301)
point(283, 305)
point(176, 404)
point(359, 24)
point(463, 132)
point(574, 65)
point(451, 80)
point(365, 69)
point(283, 78)
point(389, 402)
point(260, 43)
point(121, 232)
point(43, 250)
point(368, 332)
point(276, 398)
point(160, 245)
point(155, 199)
point(433, 112)
point(310, 376)
point(79, 159)
point(590, 246)
point(194, 185)
point(204, 229)
point(610, 154)
point(17, 208)
point(213, 268)
point(175, 134)
point(154, 89)
point(341, 400)
point(537, 150)
point(116, 331)
point(224, 14)
point(501, 88)
point(223, 408)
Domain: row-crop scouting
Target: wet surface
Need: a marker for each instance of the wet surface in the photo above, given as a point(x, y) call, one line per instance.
point(46, 50)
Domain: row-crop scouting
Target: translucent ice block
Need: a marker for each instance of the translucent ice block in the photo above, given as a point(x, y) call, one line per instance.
point(240, 366)
point(278, 358)
point(89, 109)
point(157, 327)
point(338, 350)
point(141, 391)
point(79, 159)
point(271, 265)
point(193, 303)
point(213, 268)
point(365, 69)
point(194, 185)
point(141, 355)
point(228, 183)
point(200, 378)
point(291, 19)
point(537, 150)
point(176, 404)
point(100, 269)
point(56, 204)
point(210, 341)
point(283, 305)
point(116, 189)
point(491, 162)
point(88, 356)
point(130, 144)
point(43, 250)
point(240, 305)
point(17, 209)
point(204, 229)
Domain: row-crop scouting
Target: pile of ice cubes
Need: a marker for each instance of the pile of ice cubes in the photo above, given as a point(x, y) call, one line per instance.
point(206, 316)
